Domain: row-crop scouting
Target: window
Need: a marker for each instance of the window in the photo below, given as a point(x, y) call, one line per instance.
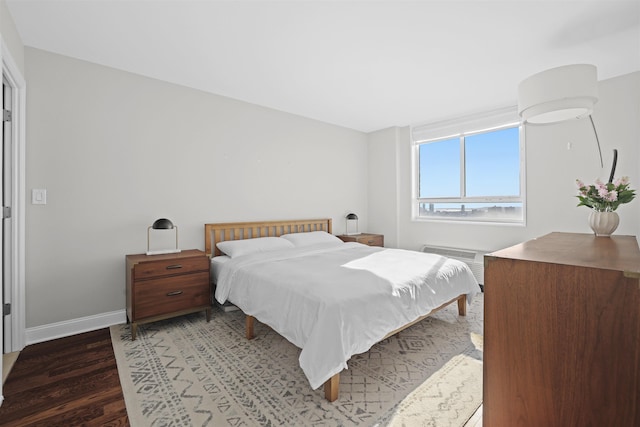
point(470, 170)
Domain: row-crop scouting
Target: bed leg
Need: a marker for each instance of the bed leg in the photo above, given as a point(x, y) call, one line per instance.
point(462, 305)
point(249, 327)
point(332, 388)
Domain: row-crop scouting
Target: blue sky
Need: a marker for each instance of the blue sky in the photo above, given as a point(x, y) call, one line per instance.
point(492, 165)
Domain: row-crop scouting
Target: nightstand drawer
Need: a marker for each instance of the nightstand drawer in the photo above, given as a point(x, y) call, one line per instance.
point(371, 240)
point(159, 296)
point(364, 238)
point(147, 270)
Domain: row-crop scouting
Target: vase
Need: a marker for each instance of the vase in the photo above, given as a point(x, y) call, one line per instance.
point(603, 224)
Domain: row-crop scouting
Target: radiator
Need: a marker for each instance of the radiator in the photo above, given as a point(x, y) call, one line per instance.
point(474, 259)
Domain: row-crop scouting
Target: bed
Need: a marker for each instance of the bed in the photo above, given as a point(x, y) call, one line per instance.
point(329, 298)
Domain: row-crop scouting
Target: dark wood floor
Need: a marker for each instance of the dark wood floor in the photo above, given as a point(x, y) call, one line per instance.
point(70, 381)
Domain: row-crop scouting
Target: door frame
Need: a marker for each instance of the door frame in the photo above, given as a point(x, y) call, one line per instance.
point(14, 77)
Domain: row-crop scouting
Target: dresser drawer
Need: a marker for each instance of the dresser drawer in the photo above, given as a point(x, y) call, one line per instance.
point(156, 297)
point(147, 270)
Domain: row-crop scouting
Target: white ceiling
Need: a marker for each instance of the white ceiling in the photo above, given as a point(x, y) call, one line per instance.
point(365, 65)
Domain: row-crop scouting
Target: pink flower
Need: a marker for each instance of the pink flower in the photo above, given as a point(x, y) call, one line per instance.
point(621, 181)
point(612, 196)
point(603, 192)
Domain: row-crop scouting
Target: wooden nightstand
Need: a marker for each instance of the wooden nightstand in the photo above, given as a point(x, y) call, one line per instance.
point(364, 238)
point(163, 286)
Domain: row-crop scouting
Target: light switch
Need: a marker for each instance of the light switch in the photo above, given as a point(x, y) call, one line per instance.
point(38, 196)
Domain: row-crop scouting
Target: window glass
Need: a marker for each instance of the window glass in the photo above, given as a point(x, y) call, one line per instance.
point(509, 212)
point(440, 169)
point(475, 176)
point(493, 163)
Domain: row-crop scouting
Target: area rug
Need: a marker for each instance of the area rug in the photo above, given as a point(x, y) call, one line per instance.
point(187, 372)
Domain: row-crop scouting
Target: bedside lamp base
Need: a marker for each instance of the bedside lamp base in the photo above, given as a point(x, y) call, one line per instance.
point(164, 251)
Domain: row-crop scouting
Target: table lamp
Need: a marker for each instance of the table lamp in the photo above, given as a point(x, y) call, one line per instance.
point(162, 224)
point(352, 223)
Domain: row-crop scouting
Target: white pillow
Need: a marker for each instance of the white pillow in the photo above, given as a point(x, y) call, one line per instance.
point(311, 238)
point(235, 248)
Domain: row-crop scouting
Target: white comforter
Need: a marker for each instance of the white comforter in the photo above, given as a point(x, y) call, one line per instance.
point(334, 301)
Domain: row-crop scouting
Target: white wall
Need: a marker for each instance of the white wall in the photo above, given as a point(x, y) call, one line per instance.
point(551, 173)
point(116, 150)
point(383, 186)
point(10, 36)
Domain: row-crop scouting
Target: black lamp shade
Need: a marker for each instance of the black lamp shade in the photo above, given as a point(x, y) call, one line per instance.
point(162, 224)
point(352, 216)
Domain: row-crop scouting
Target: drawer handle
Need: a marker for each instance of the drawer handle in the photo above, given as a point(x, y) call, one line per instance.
point(174, 266)
point(174, 293)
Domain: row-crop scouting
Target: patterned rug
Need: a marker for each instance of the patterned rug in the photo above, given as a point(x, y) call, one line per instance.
point(187, 372)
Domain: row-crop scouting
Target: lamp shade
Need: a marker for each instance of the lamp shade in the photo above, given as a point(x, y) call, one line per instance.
point(162, 224)
point(558, 94)
point(352, 216)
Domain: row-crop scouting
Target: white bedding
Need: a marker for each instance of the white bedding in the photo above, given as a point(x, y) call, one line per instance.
point(336, 301)
point(216, 265)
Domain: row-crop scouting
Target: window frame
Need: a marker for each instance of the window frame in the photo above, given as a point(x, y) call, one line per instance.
point(461, 128)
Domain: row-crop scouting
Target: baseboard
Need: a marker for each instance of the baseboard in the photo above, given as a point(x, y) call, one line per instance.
point(74, 326)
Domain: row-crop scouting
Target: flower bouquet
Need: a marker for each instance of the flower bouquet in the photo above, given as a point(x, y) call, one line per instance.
point(603, 197)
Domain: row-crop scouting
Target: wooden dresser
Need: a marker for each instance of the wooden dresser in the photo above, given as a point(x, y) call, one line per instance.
point(364, 238)
point(562, 333)
point(163, 286)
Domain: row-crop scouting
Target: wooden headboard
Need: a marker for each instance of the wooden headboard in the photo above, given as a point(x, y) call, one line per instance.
point(215, 233)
